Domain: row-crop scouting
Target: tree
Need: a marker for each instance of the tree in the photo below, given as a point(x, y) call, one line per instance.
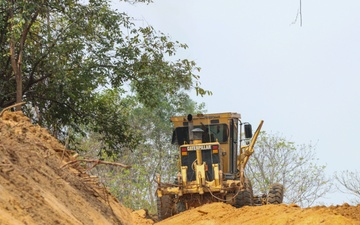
point(278, 160)
point(155, 154)
point(350, 181)
point(58, 56)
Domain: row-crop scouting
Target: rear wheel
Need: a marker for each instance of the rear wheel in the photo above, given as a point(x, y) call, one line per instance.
point(180, 207)
point(245, 196)
point(276, 194)
point(165, 206)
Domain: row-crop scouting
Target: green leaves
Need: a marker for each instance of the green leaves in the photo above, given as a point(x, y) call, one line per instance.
point(92, 77)
point(111, 120)
point(77, 56)
point(153, 153)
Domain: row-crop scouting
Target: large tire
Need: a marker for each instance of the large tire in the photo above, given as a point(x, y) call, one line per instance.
point(245, 196)
point(276, 194)
point(165, 207)
point(180, 207)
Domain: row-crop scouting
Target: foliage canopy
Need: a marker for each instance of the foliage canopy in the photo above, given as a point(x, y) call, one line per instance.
point(155, 154)
point(72, 63)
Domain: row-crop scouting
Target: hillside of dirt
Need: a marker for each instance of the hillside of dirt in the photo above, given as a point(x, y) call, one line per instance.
point(38, 185)
point(36, 188)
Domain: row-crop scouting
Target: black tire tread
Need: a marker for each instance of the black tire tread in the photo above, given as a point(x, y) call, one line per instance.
point(165, 207)
point(180, 207)
point(276, 194)
point(245, 196)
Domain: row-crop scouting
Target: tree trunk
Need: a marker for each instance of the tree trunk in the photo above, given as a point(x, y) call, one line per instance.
point(16, 59)
point(19, 88)
point(16, 66)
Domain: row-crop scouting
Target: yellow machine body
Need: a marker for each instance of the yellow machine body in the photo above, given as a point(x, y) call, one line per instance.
point(211, 161)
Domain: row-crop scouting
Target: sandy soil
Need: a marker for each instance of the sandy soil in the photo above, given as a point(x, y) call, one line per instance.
point(221, 213)
point(36, 188)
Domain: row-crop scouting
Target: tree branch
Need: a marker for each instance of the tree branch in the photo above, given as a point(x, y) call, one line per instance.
point(9, 107)
point(96, 162)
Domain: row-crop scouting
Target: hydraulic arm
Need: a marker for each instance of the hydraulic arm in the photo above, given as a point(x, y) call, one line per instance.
point(246, 151)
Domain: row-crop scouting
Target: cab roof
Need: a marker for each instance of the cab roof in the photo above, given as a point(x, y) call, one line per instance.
point(206, 116)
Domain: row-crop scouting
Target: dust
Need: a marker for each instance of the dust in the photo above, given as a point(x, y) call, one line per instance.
point(37, 186)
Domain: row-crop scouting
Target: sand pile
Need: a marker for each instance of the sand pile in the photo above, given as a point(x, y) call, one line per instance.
point(35, 188)
point(225, 214)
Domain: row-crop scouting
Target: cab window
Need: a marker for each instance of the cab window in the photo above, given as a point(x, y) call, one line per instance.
point(212, 132)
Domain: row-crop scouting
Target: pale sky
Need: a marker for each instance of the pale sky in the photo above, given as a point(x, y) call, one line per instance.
point(303, 81)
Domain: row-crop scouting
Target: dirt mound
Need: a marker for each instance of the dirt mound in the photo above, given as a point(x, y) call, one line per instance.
point(225, 214)
point(36, 188)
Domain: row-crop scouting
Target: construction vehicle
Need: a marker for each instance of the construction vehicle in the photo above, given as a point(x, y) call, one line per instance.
point(212, 165)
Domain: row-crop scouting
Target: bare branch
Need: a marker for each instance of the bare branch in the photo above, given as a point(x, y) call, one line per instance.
point(298, 15)
point(96, 162)
point(350, 181)
point(9, 107)
point(277, 160)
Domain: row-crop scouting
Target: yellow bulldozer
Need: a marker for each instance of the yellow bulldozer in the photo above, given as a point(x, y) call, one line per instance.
point(211, 165)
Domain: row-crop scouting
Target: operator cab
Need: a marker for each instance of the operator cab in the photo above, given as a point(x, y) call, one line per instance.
point(218, 130)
